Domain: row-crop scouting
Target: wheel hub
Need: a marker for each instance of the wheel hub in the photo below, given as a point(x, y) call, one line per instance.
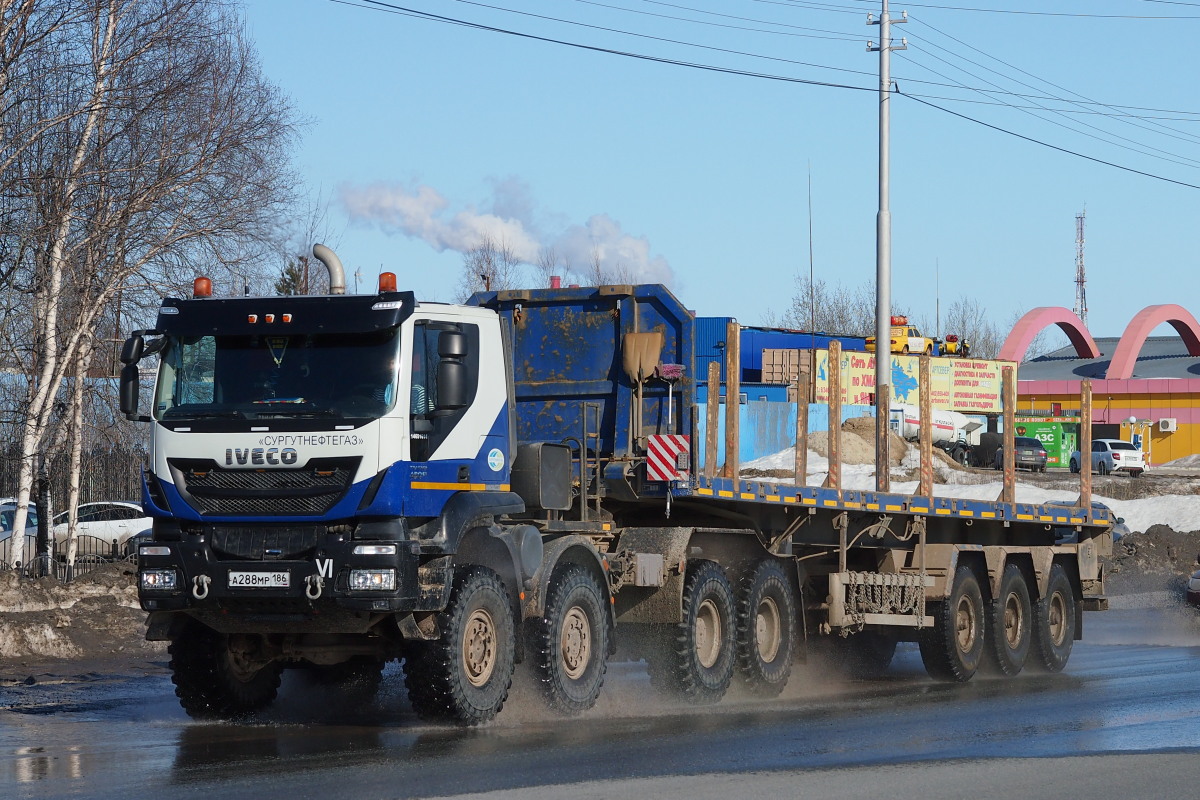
point(1014, 622)
point(708, 634)
point(575, 643)
point(479, 647)
point(768, 629)
point(965, 625)
point(1057, 619)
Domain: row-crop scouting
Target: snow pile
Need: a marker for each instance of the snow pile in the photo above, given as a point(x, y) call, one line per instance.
point(1187, 461)
point(94, 616)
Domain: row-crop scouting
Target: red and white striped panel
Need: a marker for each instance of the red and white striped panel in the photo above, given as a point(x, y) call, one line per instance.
point(661, 452)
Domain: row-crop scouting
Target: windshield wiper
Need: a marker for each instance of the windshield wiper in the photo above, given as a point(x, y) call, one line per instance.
point(298, 413)
point(227, 413)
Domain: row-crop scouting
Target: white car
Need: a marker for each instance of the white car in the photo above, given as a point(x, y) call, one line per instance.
point(111, 521)
point(1112, 455)
point(8, 512)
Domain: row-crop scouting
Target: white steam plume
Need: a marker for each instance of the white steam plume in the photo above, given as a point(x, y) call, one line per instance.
point(422, 212)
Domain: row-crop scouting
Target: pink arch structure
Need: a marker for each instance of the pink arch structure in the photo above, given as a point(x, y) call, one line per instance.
point(1032, 323)
point(1149, 318)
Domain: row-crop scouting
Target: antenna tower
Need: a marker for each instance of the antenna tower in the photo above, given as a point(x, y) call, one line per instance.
point(1080, 272)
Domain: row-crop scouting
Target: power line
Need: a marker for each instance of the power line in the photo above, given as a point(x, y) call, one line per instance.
point(1043, 80)
point(1021, 12)
point(1150, 151)
point(379, 5)
point(1046, 144)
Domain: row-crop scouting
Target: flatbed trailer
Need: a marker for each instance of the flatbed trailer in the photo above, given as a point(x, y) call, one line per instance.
point(338, 482)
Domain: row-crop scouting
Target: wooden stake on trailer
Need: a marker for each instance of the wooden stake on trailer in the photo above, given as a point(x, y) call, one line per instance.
point(1085, 448)
point(833, 480)
point(925, 489)
point(802, 395)
point(1009, 386)
point(733, 391)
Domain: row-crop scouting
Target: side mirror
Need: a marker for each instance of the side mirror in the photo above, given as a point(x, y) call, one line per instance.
point(130, 387)
point(451, 371)
point(452, 344)
point(451, 385)
point(132, 351)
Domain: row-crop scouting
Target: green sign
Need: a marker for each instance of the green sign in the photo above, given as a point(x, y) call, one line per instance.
point(1050, 434)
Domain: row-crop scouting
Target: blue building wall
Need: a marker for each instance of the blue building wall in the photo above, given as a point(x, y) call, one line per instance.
point(767, 427)
point(710, 345)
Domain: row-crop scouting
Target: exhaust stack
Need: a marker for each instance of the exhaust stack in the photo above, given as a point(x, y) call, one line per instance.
point(337, 275)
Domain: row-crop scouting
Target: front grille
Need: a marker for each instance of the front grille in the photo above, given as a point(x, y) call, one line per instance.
point(307, 491)
point(266, 542)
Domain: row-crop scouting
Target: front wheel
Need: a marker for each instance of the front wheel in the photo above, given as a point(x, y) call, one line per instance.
point(221, 676)
point(1074, 466)
point(570, 643)
point(695, 661)
point(464, 676)
point(1054, 633)
point(765, 629)
point(951, 651)
point(1103, 468)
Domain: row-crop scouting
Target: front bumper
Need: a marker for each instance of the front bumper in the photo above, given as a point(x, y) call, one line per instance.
point(220, 589)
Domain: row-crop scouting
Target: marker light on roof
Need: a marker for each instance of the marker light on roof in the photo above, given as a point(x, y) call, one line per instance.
point(202, 287)
point(252, 318)
point(270, 318)
point(387, 305)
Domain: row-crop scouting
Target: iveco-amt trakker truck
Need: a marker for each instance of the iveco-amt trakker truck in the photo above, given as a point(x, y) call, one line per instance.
point(345, 480)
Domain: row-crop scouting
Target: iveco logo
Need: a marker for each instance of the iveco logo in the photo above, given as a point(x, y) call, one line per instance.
point(260, 456)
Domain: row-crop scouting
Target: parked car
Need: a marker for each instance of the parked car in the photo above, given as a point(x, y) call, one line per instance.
point(1193, 587)
point(110, 521)
point(1112, 455)
point(1031, 454)
point(8, 512)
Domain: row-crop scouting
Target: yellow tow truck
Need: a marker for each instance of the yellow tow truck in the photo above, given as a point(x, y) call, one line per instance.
point(905, 338)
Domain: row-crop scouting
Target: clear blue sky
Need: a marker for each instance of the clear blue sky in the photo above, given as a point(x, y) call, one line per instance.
point(424, 134)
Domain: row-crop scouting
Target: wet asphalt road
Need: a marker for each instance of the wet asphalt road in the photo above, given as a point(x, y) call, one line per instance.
point(1125, 716)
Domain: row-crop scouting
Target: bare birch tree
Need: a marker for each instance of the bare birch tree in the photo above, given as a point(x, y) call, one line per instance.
point(162, 146)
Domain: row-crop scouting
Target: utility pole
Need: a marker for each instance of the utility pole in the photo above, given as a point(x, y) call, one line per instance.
point(1080, 273)
point(883, 250)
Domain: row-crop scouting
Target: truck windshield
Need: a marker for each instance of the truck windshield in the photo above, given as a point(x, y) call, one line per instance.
point(349, 375)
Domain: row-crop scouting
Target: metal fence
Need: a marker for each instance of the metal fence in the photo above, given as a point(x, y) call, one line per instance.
point(113, 474)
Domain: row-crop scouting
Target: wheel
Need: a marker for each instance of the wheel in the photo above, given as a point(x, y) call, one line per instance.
point(766, 614)
point(928, 349)
point(1137, 473)
point(1010, 622)
point(951, 651)
point(961, 455)
point(1074, 466)
point(1103, 468)
point(904, 349)
point(217, 676)
point(356, 680)
point(464, 676)
point(570, 643)
point(1054, 629)
point(695, 658)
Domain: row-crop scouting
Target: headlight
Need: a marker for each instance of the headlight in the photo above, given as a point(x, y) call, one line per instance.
point(154, 550)
point(374, 549)
point(158, 579)
point(373, 580)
